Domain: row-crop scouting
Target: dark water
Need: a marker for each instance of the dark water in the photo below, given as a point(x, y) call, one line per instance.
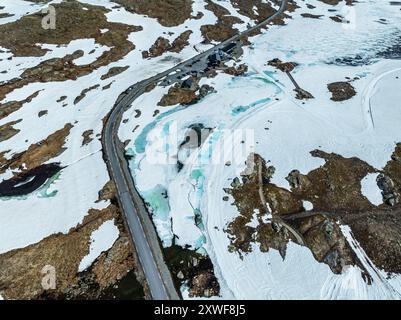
point(29, 181)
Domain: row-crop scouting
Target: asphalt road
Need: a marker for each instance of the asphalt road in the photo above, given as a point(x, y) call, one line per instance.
point(137, 218)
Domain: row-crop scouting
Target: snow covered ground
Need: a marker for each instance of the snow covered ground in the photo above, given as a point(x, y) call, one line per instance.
point(102, 239)
point(34, 217)
point(260, 109)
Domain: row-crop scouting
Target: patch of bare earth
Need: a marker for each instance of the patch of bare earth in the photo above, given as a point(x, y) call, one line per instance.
point(223, 29)
point(114, 71)
point(192, 269)
point(8, 131)
point(336, 2)
point(21, 270)
point(38, 153)
point(185, 93)
point(9, 107)
point(169, 13)
point(341, 91)
point(163, 45)
point(73, 22)
point(264, 9)
point(334, 189)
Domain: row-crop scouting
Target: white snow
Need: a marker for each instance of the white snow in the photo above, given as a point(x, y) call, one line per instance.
point(307, 205)
point(102, 240)
point(66, 201)
point(259, 108)
point(283, 131)
point(370, 189)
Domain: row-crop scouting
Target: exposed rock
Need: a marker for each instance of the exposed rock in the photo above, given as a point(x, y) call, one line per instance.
point(168, 13)
point(84, 92)
point(40, 152)
point(195, 270)
point(42, 113)
point(341, 91)
point(336, 2)
point(302, 94)
point(297, 180)
point(73, 22)
point(177, 95)
point(334, 190)
point(263, 10)
point(108, 191)
point(204, 91)
point(7, 130)
point(393, 168)
point(9, 107)
point(77, 23)
point(223, 29)
point(337, 18)
point(61, 99)
point(163, 45)
point(204, 285)
point(312, 16)
point(113, 72)
point(185, 93)
point(237, 71)
point(181, 41)
point(21, 270)
point(87, 137)
point(158, 48)
point(388, 188)
point(282, 66)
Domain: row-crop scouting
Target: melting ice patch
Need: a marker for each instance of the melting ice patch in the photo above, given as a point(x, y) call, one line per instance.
point(371, 190)
point(101, 240)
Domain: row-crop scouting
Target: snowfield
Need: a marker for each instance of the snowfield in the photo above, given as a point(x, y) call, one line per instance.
point(102, 239)
point(257, 112)
point(370, 189)
point(366, 126)
point(85, 173)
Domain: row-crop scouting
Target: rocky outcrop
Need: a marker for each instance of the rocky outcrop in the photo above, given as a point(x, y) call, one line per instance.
point(163, 45)
point(74, 23)
point(21, 270)
point(87, 137)
point(9, 107)
point(204, 284)
point(223, 29)
point(185, 94)
point(237, 70)
point(282, 66)
point(8, 131)
point(192, 269)
point(40, 152)
point(113, 72)
point(388, 188)
point(341, 91)
point(334, 189)
point(158, 48)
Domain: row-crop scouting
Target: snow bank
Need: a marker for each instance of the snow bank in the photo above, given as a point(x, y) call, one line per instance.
point(102, 240)
point(371, 190)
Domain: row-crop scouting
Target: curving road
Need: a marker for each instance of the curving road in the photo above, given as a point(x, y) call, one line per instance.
point(139, 223)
